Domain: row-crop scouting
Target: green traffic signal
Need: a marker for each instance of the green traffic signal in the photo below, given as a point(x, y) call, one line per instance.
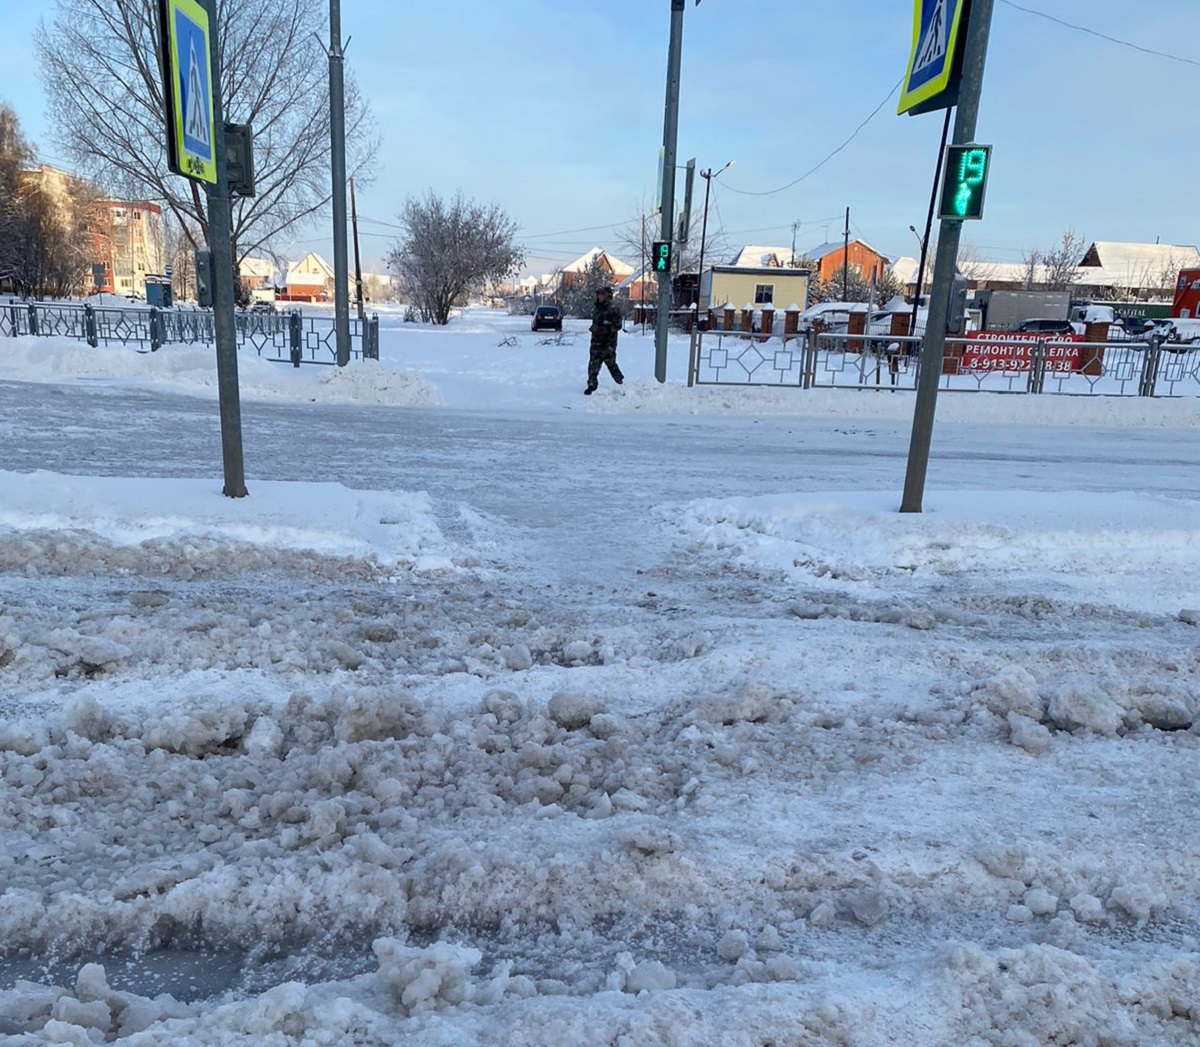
point(662, 256)
point(965, 183)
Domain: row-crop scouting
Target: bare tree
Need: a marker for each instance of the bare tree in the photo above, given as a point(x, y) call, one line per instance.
point(973, 266)
point(15, 154)
point(451, 250)
point(178, 248)
point(1034, 267)
point(377, 288)
point(1168, 276)
point(1062, 262)
point(100, 62)
point(49, 240)
point(633, 246)
point(44, 231)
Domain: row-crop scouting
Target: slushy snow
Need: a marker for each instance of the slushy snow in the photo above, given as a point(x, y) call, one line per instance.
point(485, 722)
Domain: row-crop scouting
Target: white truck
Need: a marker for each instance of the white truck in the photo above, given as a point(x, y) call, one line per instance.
point(1006, 310)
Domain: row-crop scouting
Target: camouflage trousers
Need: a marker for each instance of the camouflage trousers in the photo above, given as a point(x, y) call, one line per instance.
point(603, 356)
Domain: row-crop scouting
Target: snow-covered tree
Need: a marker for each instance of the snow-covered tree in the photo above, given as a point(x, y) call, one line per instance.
point(15, 155)
point(851, 286)
point(578, 294)
point(43, 233)
point(1055, 268)
point(452, 249)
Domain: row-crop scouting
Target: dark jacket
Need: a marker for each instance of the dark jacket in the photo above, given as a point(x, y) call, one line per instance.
point(606, 325)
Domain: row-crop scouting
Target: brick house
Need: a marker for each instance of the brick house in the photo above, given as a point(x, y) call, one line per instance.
point(309, 280)
point(616, 269)
point(863, 258)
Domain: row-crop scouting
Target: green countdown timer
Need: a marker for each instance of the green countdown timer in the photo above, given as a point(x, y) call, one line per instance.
point(662, 256)
point(965, 183)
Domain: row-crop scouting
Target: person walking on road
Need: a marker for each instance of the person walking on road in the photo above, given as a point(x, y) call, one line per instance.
point(606, 325)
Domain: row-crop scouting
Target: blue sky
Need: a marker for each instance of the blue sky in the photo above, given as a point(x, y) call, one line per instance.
point(554, 110)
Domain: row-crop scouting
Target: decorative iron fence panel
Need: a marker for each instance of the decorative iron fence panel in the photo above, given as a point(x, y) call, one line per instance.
point(971, 364)
point(281, 337)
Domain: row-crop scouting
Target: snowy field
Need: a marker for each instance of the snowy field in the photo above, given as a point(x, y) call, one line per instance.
point(498, 715)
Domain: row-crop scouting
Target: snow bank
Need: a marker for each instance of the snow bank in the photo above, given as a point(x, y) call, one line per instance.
point(193, 516)
point(1129, 549)
point(192, 369)
point(649, 396)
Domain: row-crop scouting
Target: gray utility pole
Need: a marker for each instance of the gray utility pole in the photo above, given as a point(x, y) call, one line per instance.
point(946, 265)
point(358, 284)
point(708, 176)
point(670, 147)
point(846, 261)
point(337, 142)
point(220, 239)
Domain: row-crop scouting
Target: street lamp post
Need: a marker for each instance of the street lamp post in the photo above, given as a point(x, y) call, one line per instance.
point(924, 242)
point(708, 176)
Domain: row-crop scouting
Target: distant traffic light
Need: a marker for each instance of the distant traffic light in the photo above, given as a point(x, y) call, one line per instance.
point(662, 256)
point(965, 183)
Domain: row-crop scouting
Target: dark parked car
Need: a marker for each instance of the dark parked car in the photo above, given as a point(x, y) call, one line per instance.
point(547, 318)
point(1046, 326)
point(1177, 335)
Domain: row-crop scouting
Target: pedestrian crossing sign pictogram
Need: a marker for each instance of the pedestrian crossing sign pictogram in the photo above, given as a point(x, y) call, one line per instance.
point(935, 66)
point(187, 42)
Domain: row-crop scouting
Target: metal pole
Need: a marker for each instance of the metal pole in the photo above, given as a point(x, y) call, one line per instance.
point(707, 176)
point(337, 143)
point(220, 240)
point(642, 279)
point(670, 146)
point(358, 283)
point(934, 344)
point(846, 261)
point(937, 180)
point(922, 246)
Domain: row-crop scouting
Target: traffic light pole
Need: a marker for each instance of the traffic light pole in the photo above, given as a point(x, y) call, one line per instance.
point(670, 148)
point(220, 239)
point(946, 265)
point(337, 133)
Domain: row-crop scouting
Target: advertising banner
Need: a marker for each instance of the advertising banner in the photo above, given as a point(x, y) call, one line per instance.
point(1187, 294)
point(1013, 351)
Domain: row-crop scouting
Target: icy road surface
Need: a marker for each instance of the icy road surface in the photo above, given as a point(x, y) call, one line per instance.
point(631, 730)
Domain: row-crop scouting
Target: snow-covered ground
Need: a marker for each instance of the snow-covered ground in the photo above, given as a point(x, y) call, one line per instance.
point(499, 715)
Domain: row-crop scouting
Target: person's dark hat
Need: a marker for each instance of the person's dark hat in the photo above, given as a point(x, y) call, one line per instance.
point(604, 290)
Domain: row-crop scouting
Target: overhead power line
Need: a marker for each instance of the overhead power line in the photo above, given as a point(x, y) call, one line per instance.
point(814, 170)
point(1102, 36)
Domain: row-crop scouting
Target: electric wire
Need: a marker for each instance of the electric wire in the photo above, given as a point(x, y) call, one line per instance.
point(1102, 36)
point(874, 113)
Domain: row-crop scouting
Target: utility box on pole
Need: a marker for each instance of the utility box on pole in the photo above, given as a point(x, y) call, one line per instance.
point(239, 149)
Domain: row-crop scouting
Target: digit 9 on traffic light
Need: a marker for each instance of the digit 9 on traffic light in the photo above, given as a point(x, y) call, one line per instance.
point(662, 256)
point(965, 183)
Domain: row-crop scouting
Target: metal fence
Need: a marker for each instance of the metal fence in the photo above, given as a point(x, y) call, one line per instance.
point(289, 337)
point(861, 361)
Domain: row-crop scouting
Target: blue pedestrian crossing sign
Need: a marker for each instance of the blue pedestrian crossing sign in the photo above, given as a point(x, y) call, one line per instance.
point(935, 65)
point(187, 41)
